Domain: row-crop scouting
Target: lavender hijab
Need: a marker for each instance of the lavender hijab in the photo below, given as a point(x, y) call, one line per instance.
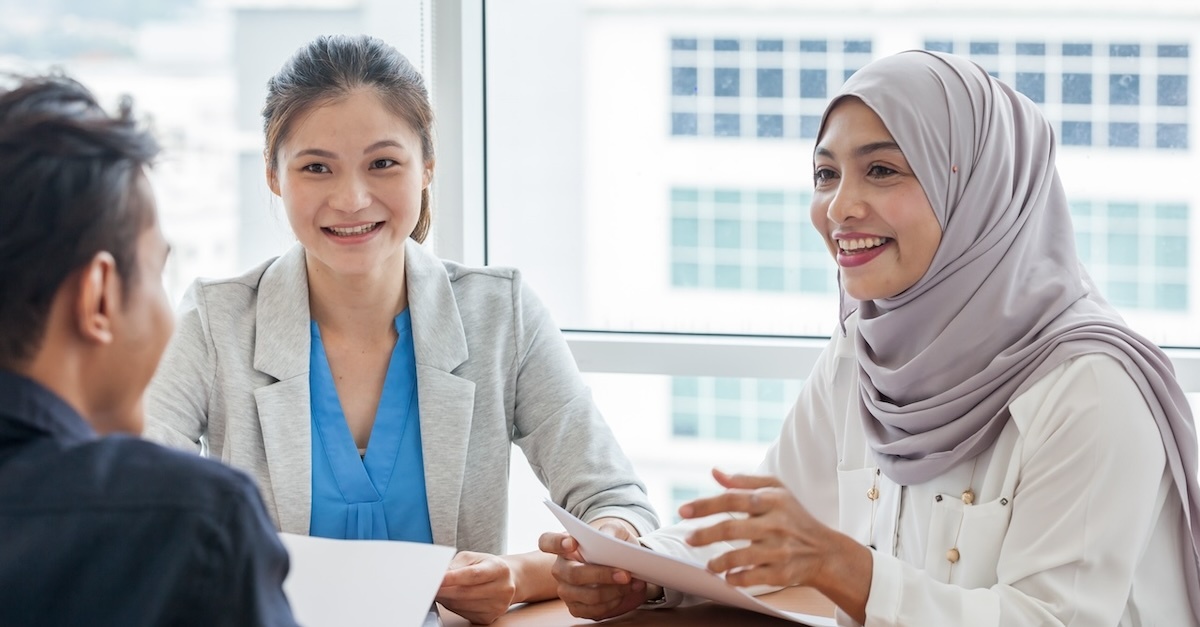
point(1004, 300)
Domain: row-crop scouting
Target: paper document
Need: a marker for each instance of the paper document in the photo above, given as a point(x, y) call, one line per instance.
point(362, 582)
point(668, 571)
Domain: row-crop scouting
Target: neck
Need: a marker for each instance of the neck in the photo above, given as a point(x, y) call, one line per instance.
point(63, 372)
point(360, 305)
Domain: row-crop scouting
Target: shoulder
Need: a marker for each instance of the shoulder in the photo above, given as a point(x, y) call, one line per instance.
point(128, 472)
point(224, 293)
point(1092, 396)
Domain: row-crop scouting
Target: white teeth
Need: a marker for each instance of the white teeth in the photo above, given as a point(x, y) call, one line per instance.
point(356, 230)
point(860, 244)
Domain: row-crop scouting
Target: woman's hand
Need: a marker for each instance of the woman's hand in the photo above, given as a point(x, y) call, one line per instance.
point(593, 591)
point(788, 547)
point(480, 587)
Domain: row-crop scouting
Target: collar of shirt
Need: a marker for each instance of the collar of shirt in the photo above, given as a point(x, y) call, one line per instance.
point(29, 404)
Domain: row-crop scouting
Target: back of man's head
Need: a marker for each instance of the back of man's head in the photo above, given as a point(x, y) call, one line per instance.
point(69, 173)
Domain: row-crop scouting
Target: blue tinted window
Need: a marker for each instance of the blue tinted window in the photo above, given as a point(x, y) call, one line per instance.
point(1124, 50)
point(685, 232)
point(770, 125)
point(685, 424)
point(770, 83)
point(846, 74)
point(683, 81)
point(856, 46)
point(727, 125)
point(1122, 294)
point(1123, 89)
point(770, 279)
point(1171, 251)
point(940, 46)
point(1077, 50)
point(683, 123)
point(1033, 85)
point(1171, 211)
point(685, 275)
point(727, 277)
point(809, 125)
point(1077, 133)
point(770, 235)
point(1178, 50)
point(769, 45)
point(1171, 296)
point(1077, 88)
point(687, 387)
point(813, 280)
point(1172, 136)
point(1123, 134)
point(683, 44)
point(985, 47)
point(727, 81)
point(1172, 90)
point(727, 427)
point(812, 45)
point(1122, 249)
point(726, 44)
point(813, 83)
point(1031, 49)
point(727, 234)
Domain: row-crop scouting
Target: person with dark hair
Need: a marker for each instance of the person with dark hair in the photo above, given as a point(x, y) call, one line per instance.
point(101, 528)
point(984, 442)
point(372, 389)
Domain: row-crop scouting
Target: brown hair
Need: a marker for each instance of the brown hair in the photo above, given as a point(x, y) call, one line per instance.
point(332, 66)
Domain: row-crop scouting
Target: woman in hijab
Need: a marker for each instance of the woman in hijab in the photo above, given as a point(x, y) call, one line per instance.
point(984, 441)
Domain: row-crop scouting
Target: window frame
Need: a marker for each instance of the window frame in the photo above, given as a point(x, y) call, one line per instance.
point(459, 92)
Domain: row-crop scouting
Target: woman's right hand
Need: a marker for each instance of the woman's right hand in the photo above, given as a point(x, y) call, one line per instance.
point(589, 590)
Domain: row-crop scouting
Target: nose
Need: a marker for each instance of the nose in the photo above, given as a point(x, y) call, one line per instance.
point(846, 203)
point(350, 195)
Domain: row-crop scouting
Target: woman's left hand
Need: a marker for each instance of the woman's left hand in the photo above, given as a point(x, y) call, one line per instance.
point(788, 546)
point(478, 586)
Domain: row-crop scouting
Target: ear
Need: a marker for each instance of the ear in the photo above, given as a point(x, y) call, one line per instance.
point(427, 177)
point(97, 298)
point(272, 176)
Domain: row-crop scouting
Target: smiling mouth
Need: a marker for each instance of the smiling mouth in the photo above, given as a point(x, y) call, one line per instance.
point(861, 245)
point(361, 229)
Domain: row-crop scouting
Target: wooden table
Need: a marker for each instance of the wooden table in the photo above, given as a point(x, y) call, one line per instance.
point(555, 614)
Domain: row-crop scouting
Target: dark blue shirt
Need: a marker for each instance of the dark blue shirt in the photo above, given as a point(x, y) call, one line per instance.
point(119, 531)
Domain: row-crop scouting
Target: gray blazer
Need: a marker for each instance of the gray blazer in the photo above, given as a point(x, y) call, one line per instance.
point(492, 369)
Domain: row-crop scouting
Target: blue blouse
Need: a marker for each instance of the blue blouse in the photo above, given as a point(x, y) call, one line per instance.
point(380, 496)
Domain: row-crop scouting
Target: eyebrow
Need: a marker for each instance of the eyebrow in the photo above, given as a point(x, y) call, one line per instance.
point(325, 154)
point(864, 149)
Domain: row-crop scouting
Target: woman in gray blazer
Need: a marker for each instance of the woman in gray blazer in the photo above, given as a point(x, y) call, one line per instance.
point(359, 338)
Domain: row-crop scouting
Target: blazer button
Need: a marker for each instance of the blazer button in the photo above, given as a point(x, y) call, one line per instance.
point(952, 556)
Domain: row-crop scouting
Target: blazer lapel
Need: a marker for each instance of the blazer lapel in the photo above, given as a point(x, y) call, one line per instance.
point(281, 350)
point(446, 401)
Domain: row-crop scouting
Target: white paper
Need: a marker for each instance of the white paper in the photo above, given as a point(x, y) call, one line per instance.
point(667, 571)
point(362, 582)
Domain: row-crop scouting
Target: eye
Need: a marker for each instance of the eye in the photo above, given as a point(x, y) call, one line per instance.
point(823, 175)
point(879, 171)
point(380, 164)
point(316, 168)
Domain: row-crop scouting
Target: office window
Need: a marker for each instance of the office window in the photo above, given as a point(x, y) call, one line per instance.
point(774, 92)
point(750, 240)
point(730, 409)
point(1096, 93)
point(1137, 252)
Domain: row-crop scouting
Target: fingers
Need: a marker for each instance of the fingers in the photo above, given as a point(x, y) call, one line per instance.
point(576, 574)
point(727, 530)
point(473, 572)
point(752, 502)
point(559, 544)
point(616, 528)
point(745, 482)
point(754, 557)
point(604, 601)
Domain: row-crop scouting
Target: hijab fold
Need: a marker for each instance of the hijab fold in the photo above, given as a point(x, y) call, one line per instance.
point(1004, 300)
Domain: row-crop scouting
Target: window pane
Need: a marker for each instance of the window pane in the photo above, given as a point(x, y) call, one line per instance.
point(612, 250)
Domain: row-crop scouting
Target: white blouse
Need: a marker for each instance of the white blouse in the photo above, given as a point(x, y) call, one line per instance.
point(1070, 518)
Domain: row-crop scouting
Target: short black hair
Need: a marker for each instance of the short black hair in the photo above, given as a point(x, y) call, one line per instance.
point(68, 173)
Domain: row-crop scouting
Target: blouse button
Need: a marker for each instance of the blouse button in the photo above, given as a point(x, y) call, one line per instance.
point(968, 497)
point(873, 493)
point(952, 556)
